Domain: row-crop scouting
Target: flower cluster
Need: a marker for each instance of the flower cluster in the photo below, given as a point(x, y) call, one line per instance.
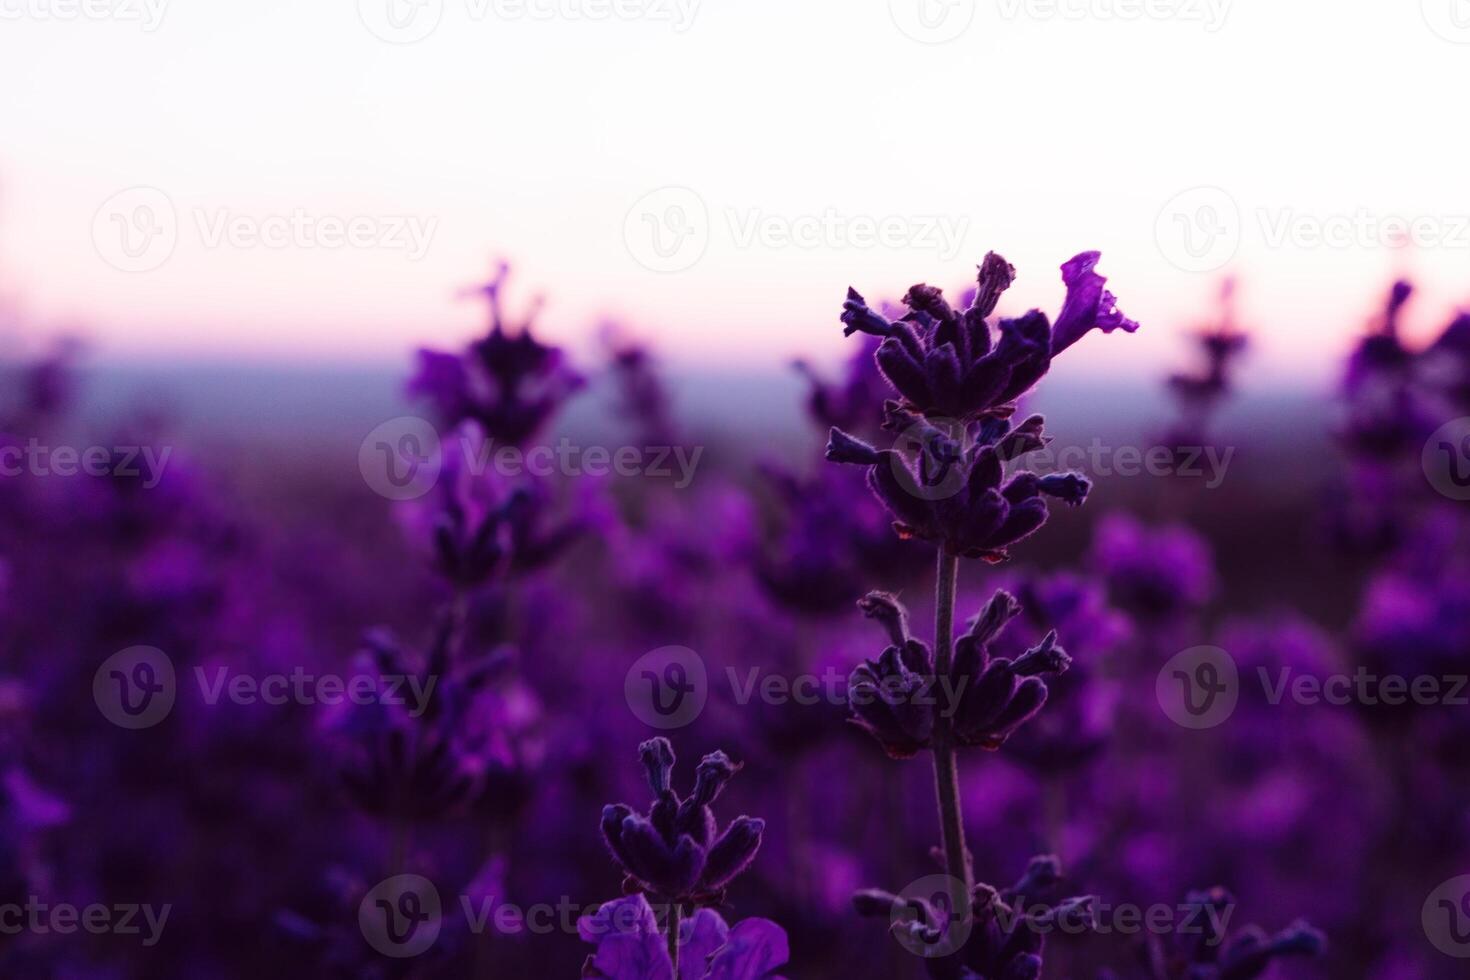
point(676, 851)
point(899, 700)
point(508, 382)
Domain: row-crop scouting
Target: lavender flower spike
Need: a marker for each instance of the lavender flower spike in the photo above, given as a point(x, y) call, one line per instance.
point(946, 363)
point(675, 852)
point(898, 700)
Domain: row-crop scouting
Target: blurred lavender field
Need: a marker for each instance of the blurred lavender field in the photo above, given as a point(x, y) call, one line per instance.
point(303, 679)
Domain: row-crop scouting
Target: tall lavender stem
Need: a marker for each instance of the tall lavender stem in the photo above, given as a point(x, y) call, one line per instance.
point(674, 936)
point(946, 772)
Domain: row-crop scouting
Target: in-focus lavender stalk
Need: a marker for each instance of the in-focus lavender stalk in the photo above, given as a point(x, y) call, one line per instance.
point(676, 851)
point(958, 385)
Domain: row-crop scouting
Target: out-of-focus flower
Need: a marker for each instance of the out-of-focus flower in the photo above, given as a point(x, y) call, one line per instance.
point(630, 946)
point(1154, 574)
point(642, 397)
point(852, 403)
point(676, 851)
point(1080, 707)
point(1007, 927)
point(508, 382)
point(1207, 952)
point(897, 698)
point(488, 527)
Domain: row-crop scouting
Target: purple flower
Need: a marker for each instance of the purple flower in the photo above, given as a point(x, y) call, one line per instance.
point(490, 527)
point(1007, 927)
point(1155, 574)
point(507, 381)
point(956, 492)
point(676, 851)
point(897, 698)
point(1207, 952)
point(945, 363)
point(630, 946)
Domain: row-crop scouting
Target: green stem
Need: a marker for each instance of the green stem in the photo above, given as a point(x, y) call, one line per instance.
point(946, 772)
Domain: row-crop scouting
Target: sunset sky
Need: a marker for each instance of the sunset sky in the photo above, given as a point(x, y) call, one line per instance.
point(287, 180)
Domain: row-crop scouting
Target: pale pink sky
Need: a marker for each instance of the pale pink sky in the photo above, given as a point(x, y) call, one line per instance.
point(791, 134)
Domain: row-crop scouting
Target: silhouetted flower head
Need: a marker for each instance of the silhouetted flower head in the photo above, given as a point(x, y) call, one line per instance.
point(944, 482)
point(1200, 393)
point(898, 699)
point(676, 851)
point(956, 492)
point(1206, 951)
point(507, 381)
point(1007, 927)
point(630, 946)
point(945, 363)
